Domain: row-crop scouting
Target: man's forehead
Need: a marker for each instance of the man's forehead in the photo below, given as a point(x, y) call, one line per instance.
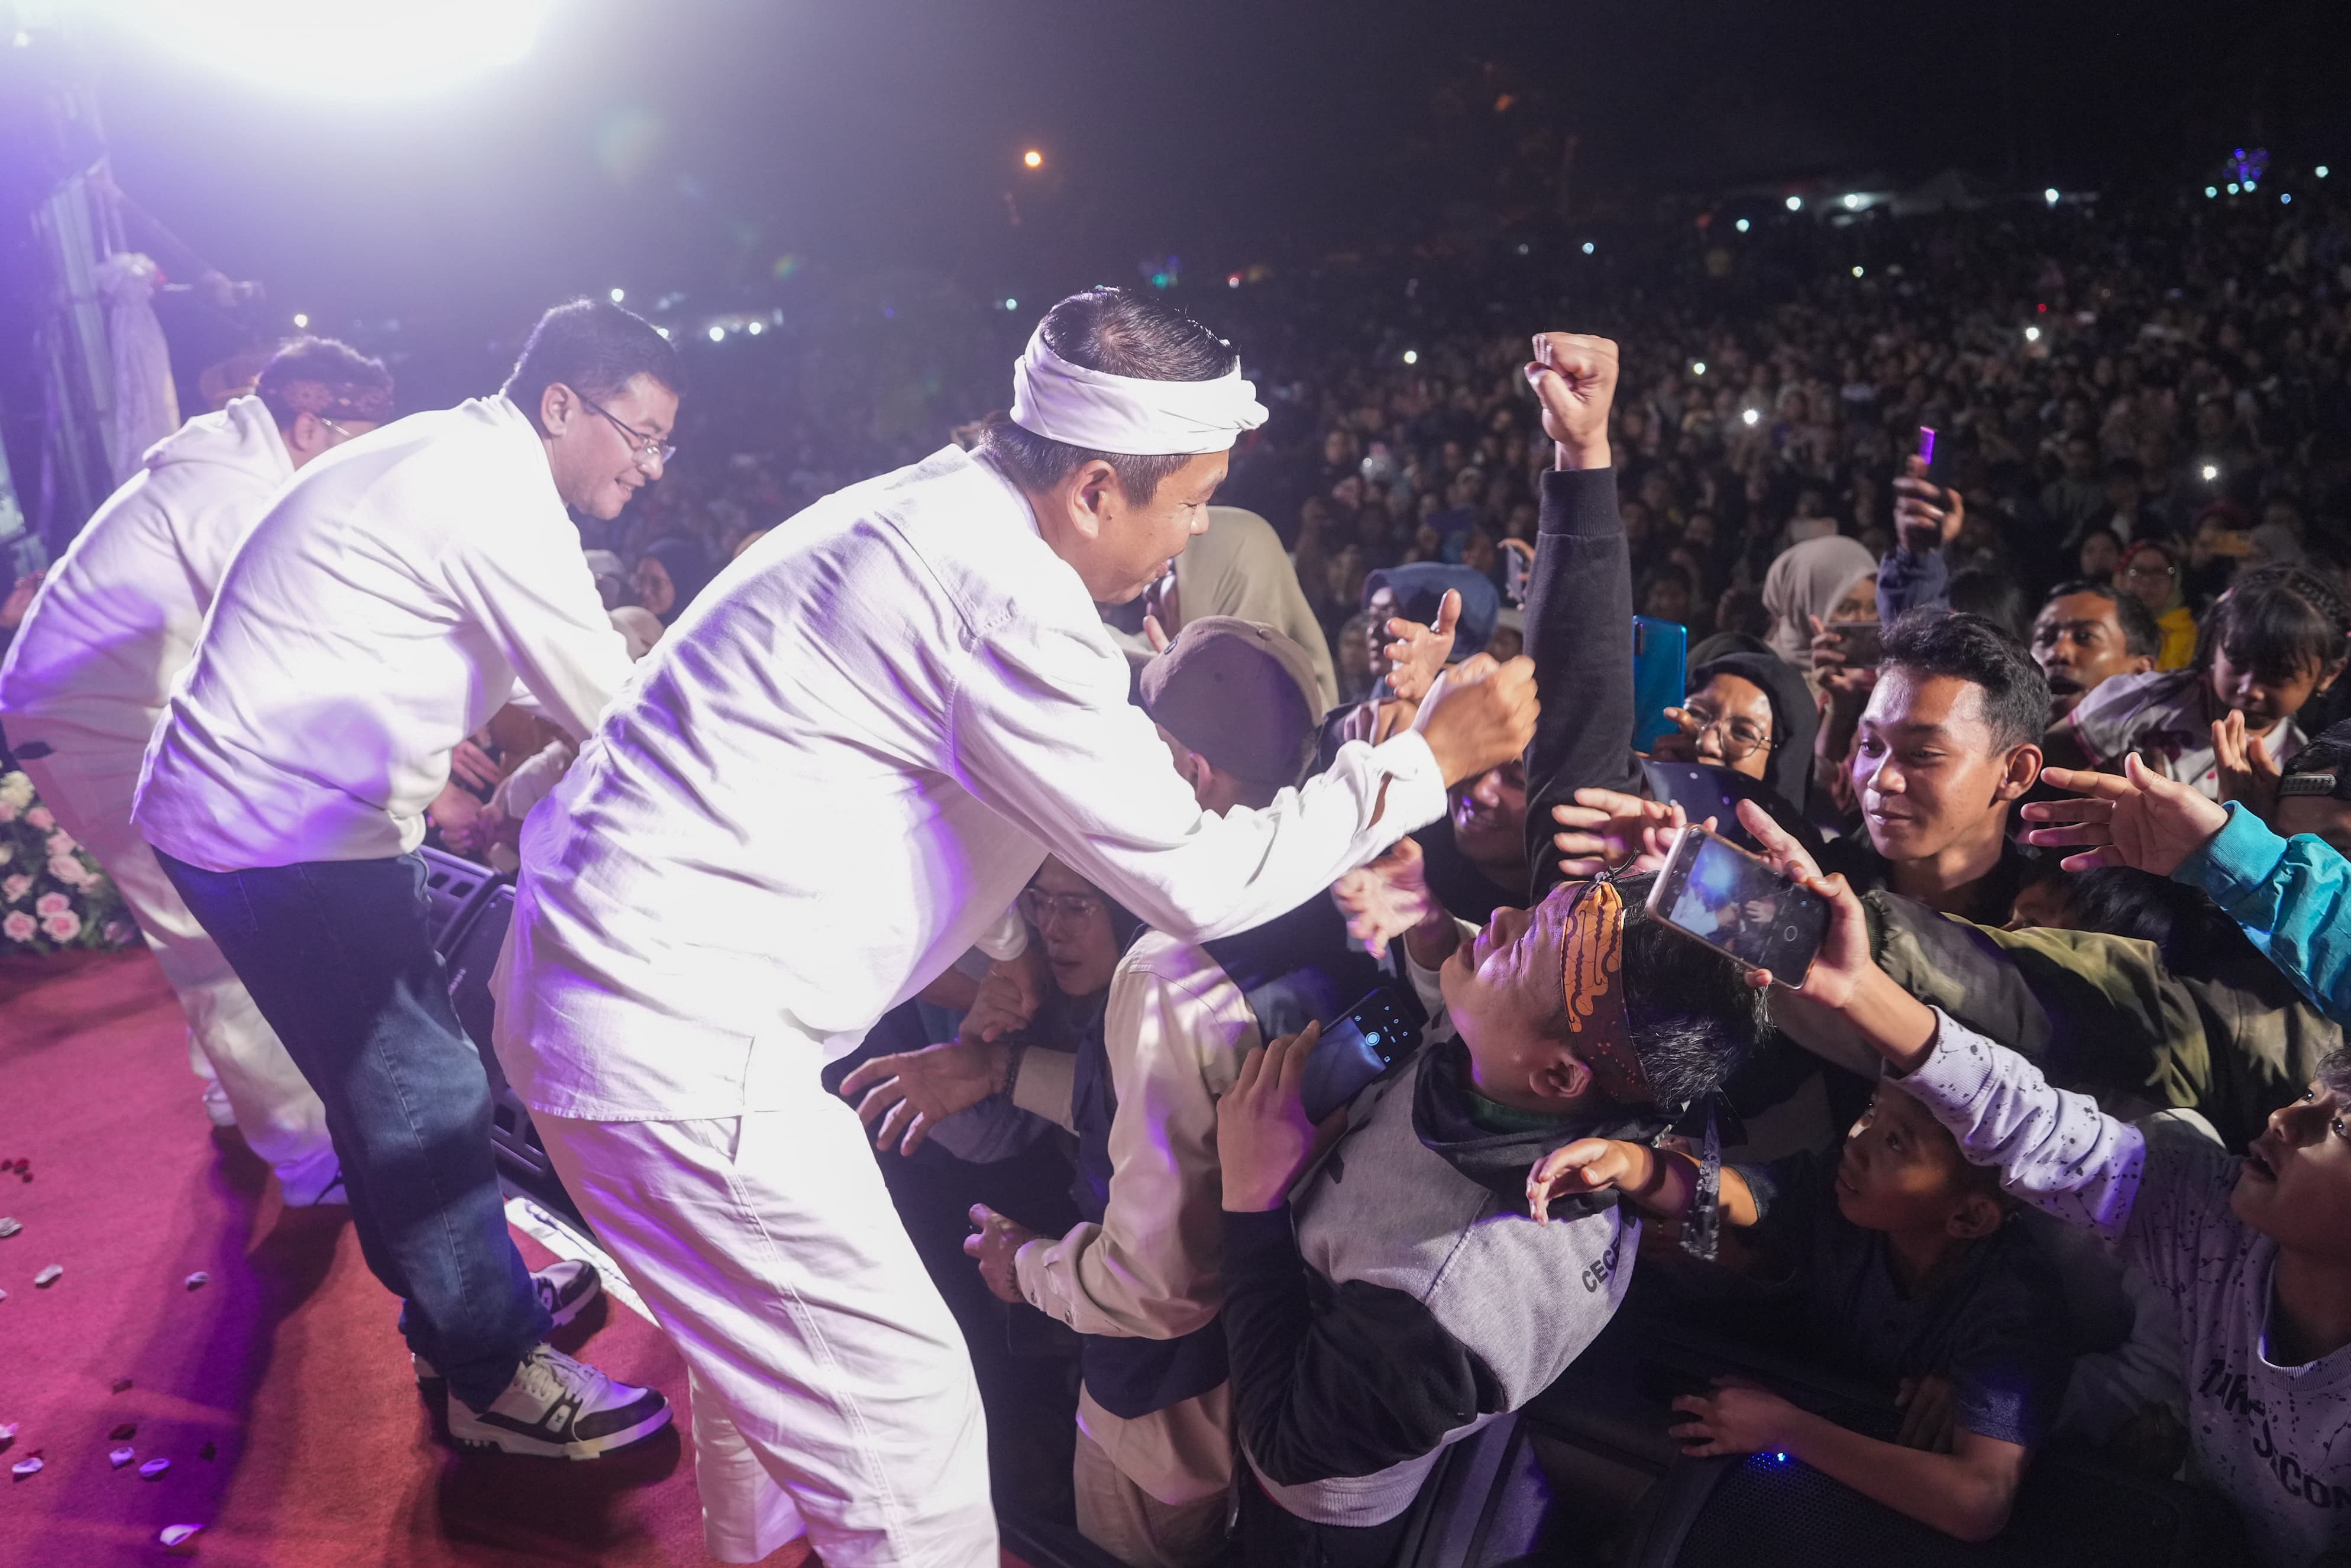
point(1915, 702)
point(2079, 609)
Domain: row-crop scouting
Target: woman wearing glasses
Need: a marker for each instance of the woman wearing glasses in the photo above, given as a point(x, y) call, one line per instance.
point(2151, 572)
point(1752, 714)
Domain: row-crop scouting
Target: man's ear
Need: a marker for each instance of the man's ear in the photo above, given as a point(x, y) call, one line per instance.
point(558, 406)
point(2023, 769)
point(1094, 497)
point(306, 437)
point(1979, 1214)
point(1564, 1077)
point(2142, 663)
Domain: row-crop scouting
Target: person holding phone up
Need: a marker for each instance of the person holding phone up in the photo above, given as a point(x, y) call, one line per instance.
point(1399, 1296)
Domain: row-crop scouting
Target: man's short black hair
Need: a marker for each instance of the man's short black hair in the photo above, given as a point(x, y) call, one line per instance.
point(2141, 635)
point(1953, 642)
point(1996, 596)
point(595, 348)
point(2278, 622)
point(1121, 334)
point(344, 376)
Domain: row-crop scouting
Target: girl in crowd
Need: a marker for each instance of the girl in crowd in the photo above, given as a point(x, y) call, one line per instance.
point(2150, 570)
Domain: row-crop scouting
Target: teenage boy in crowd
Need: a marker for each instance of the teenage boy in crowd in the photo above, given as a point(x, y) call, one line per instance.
point(2255, 1251)
point(1238, 705)
point(1405, 1297)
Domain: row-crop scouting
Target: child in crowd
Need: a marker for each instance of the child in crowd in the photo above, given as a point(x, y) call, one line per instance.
point(2276, 640)
point(2253, 1251)
point(1909, 1275)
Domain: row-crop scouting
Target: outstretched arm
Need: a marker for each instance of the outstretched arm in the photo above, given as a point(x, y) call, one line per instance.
point(1579, 600)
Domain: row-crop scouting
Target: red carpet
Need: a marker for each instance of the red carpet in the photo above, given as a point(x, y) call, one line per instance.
point(288, 1361)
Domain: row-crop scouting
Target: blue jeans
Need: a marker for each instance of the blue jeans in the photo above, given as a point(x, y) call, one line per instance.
point(338, 956)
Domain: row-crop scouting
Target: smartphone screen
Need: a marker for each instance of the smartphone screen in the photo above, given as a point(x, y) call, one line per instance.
point(1737, 904)
point(1660, 676)
point(1926, 444)
point(1355, 1049)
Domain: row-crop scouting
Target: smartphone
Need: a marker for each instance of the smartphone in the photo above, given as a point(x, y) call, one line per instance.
point(1716, 893)
point(1356, 1046)
point(1926, 444)
point(1660, 676)
point(1863, 641)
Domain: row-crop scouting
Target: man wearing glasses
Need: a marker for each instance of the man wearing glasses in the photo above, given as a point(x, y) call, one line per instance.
point(112, 627)
point(392, 597)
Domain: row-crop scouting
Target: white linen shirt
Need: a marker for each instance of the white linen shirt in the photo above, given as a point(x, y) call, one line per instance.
point(831, 776)
point(378, 614)
point(117, 617)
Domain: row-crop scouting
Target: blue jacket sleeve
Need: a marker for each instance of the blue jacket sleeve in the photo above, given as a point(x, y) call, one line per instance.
point(2293, 896)
point(1912, 580)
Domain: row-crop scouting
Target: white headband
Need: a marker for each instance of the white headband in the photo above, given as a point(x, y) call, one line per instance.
point(1104, 412)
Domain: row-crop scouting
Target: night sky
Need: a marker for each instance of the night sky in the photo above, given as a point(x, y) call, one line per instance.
point(695, 144)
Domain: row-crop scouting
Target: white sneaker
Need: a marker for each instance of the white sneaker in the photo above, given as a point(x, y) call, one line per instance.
point(561, 1408)
point(565, 1288)
point(313, 1180)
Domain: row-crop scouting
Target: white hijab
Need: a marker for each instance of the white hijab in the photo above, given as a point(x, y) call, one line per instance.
point(1808, 579)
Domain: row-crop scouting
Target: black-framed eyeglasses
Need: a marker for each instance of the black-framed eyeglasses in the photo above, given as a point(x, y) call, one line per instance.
point(642, 447)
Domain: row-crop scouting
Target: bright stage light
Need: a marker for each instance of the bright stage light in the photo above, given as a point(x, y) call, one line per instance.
point(344, 48)
point(2211, 473)
point(1411, 356)
point(300, 320)
point(1795, 203)
point(755, 328)
point(618, 295)
point(719, 334)
point(2050, 195)
point(2320, 170)
point(1750, 416)
point(1856, 272)
point(1697, 366)
point(1742, 226)
point(2033, 334)
point(1033, 159)
point(1589, 247)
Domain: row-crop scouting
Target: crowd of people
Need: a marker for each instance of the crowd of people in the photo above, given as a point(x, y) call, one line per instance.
point(2043, 713)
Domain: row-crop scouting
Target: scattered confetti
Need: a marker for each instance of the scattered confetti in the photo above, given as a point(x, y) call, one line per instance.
point(4, 1295)
point(153, 1468)
point(207, 1451)
point(121, 1456)
point(123, 1433)
point(177, 1536)
point(48, 1276)
point(24, 1175)
point(199, 1279)
point(121, 1384)
point(27, 1466)
point(9, 1227)
point(7, 1433)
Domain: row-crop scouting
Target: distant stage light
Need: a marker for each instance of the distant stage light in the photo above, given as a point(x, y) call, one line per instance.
point(2033, 334)
point(1741, 225)
point(300, 320)
point(2320, 170)
point(2211, 471)
point(1589, 247)
point(664, 331)
point(1522, 247)
point(1854, 200)
point(618, 295)
point(1795, 203)
point(2232, 187)
point(1697, 366)
point(1749, 417)
point(1856, 272)
point(2285, 198)
point(343, 48)
point(755, 328)
point(1411, 356)
point(2050, 195)
point(719, 334)
point(1010, 303)
point(2211, 192)
point(1033, 159)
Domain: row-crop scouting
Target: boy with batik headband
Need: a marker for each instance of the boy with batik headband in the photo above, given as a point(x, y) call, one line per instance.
point(1405, 1296)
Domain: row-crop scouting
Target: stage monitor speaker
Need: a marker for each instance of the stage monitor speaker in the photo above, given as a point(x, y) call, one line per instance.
point(454, 886)
point(471, 952)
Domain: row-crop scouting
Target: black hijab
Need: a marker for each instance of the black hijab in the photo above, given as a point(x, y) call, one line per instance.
point(1794, 719)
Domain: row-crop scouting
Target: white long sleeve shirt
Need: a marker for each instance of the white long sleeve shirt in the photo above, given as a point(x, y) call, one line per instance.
point(116, 619)
point(387, 604)
point(2275, 1438)
point(831, 776)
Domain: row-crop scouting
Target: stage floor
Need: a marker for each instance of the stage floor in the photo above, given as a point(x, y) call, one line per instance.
point(288, 1361)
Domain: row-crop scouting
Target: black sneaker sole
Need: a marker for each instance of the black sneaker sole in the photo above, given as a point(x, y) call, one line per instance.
point(484, 1435)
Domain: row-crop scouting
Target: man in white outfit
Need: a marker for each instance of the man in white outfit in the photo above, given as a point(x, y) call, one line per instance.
point(831, 776)
point(86, 679)
point(396, 594)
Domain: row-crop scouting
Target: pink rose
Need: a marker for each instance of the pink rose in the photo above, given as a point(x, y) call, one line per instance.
point(14, 888)
point(60, 842)
point(70, 872)
point(39, 816)
point(50, 903)
point(18, 927)
point(63, 927)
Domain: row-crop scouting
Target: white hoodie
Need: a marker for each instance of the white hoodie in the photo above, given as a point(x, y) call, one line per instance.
point(115, 620)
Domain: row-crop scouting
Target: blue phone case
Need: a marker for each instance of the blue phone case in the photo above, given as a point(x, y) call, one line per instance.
point(1660, 669)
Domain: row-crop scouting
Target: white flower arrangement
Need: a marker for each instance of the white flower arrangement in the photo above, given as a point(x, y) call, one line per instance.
point(62, 899)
